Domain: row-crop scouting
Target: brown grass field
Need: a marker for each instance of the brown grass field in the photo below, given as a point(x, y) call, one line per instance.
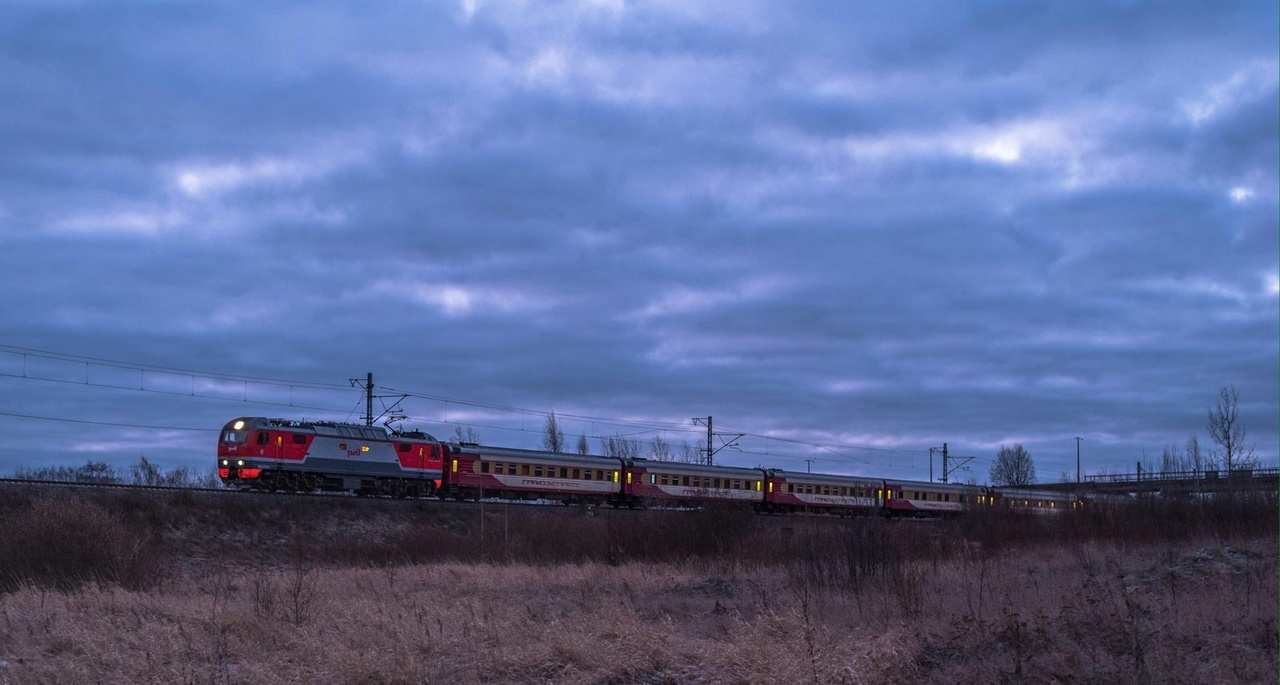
point(127, 587)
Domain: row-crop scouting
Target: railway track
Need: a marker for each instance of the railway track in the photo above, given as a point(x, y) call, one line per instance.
point(452, 503)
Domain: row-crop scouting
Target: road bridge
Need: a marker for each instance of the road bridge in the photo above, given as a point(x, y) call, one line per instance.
point(1174, 482)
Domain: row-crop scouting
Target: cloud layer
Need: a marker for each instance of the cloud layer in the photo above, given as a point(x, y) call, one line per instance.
point(851, 226)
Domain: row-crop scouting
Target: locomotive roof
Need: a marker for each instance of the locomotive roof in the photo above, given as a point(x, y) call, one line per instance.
point(333, 428)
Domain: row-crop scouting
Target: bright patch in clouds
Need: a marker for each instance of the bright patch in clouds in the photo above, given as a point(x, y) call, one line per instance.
point(1240, 194)
point(202, 180)
point(458, 301)
point(1247, 82)
point(144, 222)
point(1002, 150)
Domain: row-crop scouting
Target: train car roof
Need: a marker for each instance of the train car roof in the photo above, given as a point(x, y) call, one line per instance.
point(1038, 494)
point(804, 476)
point(591, 460)
point(928, 484)
point(695, 469)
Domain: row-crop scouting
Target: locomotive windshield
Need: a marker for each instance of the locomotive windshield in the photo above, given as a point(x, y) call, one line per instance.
point(233, 437)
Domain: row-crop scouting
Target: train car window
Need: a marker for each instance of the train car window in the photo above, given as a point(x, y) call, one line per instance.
point(615, 476)
point(524, 469)
point(758, 486)
point(262, 437)
point(537, 471)
point(586, 474)
point(484, 467)
point(564, 472)
point(576, 474)
point(686, 481)
point(653, 478)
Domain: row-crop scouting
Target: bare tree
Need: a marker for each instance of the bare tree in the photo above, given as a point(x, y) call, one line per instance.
point(146, 473)
point(1172, 460)
point(661, 449)
point(583, 447)
point(468, 435)
point(553, 437)
point(690, 454)
point(620, 447)
point(1227, 430)
point(1013, 466)
point(1194, 459)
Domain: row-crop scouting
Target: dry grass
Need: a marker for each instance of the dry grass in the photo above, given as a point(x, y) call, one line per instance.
point(1088, 614)
point(320, 592)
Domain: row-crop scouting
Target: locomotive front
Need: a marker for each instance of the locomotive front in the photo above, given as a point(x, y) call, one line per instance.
point(235, 461)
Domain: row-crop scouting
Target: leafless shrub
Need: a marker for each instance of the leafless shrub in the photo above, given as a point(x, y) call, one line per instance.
point(300, 592)
point(265, 595)
point(61, 542)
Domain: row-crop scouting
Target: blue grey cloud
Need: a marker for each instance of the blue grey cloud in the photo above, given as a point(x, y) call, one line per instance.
point(860, 226)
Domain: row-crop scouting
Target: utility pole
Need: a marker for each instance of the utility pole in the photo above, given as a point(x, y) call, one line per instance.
point(710, 451)
point(699, 421)
point(392, 412)
point(808, 466)
point(711, 448)
point(1078, 439)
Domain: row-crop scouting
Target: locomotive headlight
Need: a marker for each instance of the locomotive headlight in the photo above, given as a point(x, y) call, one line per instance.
point(224, 462)
point(239, 462)
point(237, 425)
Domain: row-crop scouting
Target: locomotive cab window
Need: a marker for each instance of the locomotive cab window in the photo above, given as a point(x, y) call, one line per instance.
point(262, 437)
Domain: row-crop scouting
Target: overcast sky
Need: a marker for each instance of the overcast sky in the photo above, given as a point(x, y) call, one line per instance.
point(869, 227)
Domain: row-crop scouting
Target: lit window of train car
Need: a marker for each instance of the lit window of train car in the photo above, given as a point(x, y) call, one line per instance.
point(796, 491)
point(914, 498)
point(667, 481)
point(532, 474)
point(1035, 501)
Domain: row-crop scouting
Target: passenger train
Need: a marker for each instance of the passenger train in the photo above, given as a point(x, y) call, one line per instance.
point(303, 456)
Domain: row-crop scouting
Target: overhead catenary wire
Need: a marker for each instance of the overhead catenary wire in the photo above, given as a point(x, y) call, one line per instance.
point(117, 424)
point(134, 366)
point(646, 426)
